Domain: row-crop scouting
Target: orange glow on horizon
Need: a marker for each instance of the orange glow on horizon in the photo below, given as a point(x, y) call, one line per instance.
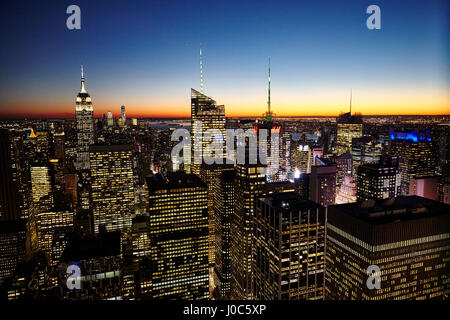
point(375, 102)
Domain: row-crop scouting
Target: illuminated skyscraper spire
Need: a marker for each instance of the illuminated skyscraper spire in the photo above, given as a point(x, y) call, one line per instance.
point(85, 125)
point(268, 114)
point(83, 87)
point(201, 70)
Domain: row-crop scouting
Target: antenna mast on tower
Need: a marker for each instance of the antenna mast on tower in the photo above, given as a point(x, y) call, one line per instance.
point(201, 70)
point(268, 115)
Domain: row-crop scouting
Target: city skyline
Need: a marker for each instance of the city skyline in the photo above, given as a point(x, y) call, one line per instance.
point(149, 64)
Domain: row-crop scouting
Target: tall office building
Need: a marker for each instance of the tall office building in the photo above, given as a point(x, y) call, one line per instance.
point(277, 163)
point(208, 115)
point(12, 246)
point(112, 186)
point(278, 158)
point(417, 156)
point(85, 125)
point(101, 267)
point(365, 150)
point(343, 167)
point(49, 230)
point(224, 201)
point(377, 181)
point(70, 186)
point(58, 141)
point(41, 184)
point(301, 157)
point(405, 243)
point(178, 215)
point(210, 174)
point(289, 248)
point(122, 112)
point(42, 144)
point(322, 184)
point(140, 237)
point(136, 248)
point(249, 184)
point(9, 205)
point(110, 119)
point(348, 128)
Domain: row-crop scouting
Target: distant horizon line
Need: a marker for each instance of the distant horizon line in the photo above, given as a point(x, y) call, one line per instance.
point(2, 118)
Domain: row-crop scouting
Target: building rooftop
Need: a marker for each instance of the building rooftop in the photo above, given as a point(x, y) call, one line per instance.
point(401, 208)
point(289, 201)
point(174, 180)
point(92, 246)
point(109, 148)
point(350, 119)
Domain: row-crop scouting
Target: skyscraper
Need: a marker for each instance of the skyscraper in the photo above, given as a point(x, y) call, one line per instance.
point(343, 167)
point(101, 267)
point(205, 114)
point(208, 115)
point(403, 244)
point(289, 248)
point(12, 246)
point(210, 174)
point(301, 157)
point(85, 125)
point(224, 202)
point(365, 150)
point(112, 186)
point(417, 156)
point(277, 156)
point(136, 248)
point(110, 119)
point(124, 118)
point(41, 184)
point(9, 206)
point(322, 184)
point(178, 215)
point(377, 181)
point(348, 128)
point(58, 140)
point(249, 184)
point(46, 227)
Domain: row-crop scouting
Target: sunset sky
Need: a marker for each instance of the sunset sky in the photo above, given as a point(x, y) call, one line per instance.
point(145, 55)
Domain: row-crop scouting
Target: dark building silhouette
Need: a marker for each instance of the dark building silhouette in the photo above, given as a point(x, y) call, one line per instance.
point(322, 184)
point(9, 206)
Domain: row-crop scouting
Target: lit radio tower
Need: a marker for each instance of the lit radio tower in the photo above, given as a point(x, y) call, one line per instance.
point(201, 70)
point(268, 115)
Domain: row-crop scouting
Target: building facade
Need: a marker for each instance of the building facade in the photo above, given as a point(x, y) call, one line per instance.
point(178, 211)
point(396, 249)
point(377, 181)
point(322, 184)
point(205, 114)
point(289, 248)
point(85, 125)
point(112, 186)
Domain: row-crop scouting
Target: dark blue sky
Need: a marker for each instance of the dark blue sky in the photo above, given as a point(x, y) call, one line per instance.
point(144, 54)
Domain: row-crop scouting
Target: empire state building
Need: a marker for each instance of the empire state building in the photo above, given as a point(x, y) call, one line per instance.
point(85, 125)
